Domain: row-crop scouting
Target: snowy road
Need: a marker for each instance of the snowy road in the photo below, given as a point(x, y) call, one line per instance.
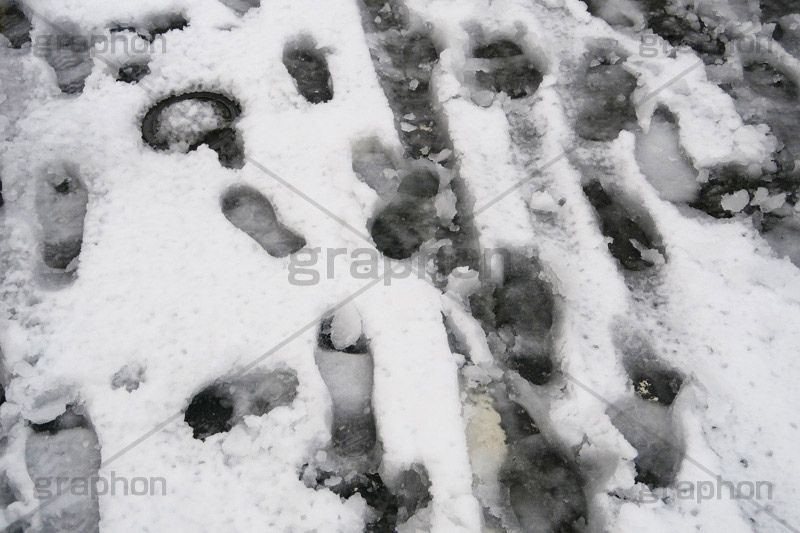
point(417, 265)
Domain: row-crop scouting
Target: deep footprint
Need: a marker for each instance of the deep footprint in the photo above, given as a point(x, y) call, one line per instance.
point(186, 121)
point(218, 407)
point(507, 70)
point(346, 366)
point(540, 490)
point(351, 466)
point(517, 316)
point(604, 104)
point(14, 25)
point(309, 70)
point(133, 72)
point(61, 207)
point(621, 228)
point(65, 448)
point(682, 27)
point(251, 212)
point(404, 62)
point(649, 427)
point(161, 24)
point(403, 227)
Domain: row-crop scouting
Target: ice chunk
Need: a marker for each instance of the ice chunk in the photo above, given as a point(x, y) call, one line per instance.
point(736, 201)
point(345, 327)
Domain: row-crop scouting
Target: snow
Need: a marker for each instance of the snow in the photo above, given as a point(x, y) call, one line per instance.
point(168, 293)
point(661, 160)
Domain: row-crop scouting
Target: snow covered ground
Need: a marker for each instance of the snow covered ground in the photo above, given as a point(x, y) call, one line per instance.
point(421, 265)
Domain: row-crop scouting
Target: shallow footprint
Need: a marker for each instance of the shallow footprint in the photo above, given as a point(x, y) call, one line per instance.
point(309, 69)
point(69, 56)
point(65, 450)
point(351, 465)
point(61, 207)
point(218, 407)
point(251, 212)
point(646, 420)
